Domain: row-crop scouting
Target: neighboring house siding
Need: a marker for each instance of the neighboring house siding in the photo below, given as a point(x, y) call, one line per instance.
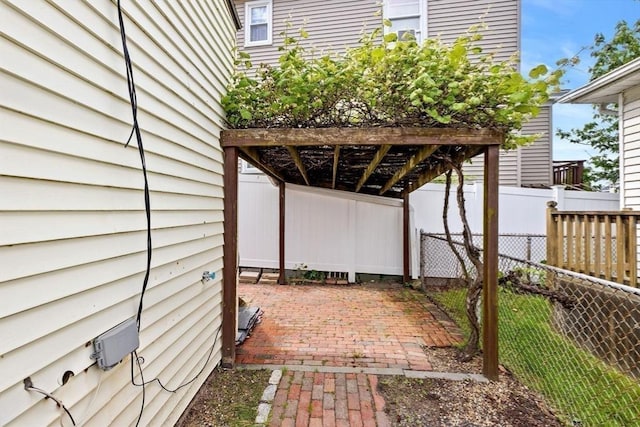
point(334, 24)
point(525, 166)
point(448, 19)
point(536, 159)
point(331, 24)
point(509, 168)
point(73, 236)
point(630, 157)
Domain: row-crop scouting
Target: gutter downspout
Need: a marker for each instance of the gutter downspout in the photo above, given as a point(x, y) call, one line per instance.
point(621, 186)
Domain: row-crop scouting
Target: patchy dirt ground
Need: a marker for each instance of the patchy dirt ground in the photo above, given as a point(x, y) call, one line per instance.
point(440, 403)
point(229, 398)
point(429, 402)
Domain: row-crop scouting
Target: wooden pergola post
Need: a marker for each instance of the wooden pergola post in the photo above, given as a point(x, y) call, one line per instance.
point(230, 266)
point(282, 280)
point(490, 273)
point(406, 276)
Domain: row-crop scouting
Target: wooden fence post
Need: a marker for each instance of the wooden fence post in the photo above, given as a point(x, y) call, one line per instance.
point(552, 243)
point(552, 235)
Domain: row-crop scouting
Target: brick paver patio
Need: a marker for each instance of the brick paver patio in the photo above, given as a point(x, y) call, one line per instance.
point(373, 326)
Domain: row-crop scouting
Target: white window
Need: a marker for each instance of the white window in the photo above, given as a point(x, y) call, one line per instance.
point(408, 18)
point(257, 28)
point(247, 167)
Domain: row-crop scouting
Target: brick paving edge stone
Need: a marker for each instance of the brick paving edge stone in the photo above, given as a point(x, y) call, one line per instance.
point(269, 393)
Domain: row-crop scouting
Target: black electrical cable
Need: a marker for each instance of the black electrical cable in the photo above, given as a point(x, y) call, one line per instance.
point(135, 353)
point(29, 387)
point(143, 383)
point(136, 131)
point(147, 202)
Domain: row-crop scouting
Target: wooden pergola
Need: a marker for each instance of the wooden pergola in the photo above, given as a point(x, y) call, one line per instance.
point(384, 161)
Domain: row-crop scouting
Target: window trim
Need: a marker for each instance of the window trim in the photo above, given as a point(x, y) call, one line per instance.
point(247, 24)
point(422, 18)
point(248, 168)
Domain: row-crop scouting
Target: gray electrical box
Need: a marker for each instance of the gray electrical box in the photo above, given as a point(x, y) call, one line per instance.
point(112, 346)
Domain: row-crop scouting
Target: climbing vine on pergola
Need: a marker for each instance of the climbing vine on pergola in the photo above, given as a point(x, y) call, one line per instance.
point(386, 82)
point(382, 118)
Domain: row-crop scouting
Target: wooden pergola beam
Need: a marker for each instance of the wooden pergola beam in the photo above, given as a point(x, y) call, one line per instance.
point(490, 264)
point(441, 168)
point(230, 259)
point(357, 136)
point(251, 155)
point(282, 279)
point(377, 158)
point(336, 158)
point(406, 254)
point(408, 167)
point(298, 161)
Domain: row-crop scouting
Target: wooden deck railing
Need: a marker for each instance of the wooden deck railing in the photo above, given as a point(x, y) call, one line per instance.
point(568, 173)
point(600, 244)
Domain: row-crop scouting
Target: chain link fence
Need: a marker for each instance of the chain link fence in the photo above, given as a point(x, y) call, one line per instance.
point(573, 338)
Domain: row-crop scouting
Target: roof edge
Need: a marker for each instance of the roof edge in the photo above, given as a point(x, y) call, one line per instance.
point(234, 14)
point(613, 76)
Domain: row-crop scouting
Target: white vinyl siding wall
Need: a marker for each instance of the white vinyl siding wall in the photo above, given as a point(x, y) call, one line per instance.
point(73, 236)
point(630, 152)
point(630, 156)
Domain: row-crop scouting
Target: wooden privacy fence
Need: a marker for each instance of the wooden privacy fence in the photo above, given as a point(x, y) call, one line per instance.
point(600, 244)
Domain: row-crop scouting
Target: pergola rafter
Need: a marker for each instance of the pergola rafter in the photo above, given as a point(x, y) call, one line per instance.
point(441, 167)
point(299, 164)
point(336, 159)
point(382, 151)
point(251, 155)
point(424, 152)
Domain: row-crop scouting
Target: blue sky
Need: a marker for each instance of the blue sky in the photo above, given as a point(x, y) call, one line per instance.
point(554, 29)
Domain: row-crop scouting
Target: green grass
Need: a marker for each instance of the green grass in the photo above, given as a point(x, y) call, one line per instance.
point(572, 380)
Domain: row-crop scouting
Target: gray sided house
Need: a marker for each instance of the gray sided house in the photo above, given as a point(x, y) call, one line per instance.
point(73, 234)
point(336, 24)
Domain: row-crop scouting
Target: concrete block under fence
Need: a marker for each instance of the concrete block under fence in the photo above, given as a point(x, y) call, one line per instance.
point(605, 321)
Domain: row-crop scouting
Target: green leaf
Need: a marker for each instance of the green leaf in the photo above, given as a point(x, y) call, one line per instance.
point(538, 71)
point(391, 37)
point(458, 52)
point(245, 114)
point(518, 97)
point(459, 106)
point(387, 23)
point(378, 53)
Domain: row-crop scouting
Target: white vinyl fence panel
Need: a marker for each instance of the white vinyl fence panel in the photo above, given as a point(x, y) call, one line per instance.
point(341, 232)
